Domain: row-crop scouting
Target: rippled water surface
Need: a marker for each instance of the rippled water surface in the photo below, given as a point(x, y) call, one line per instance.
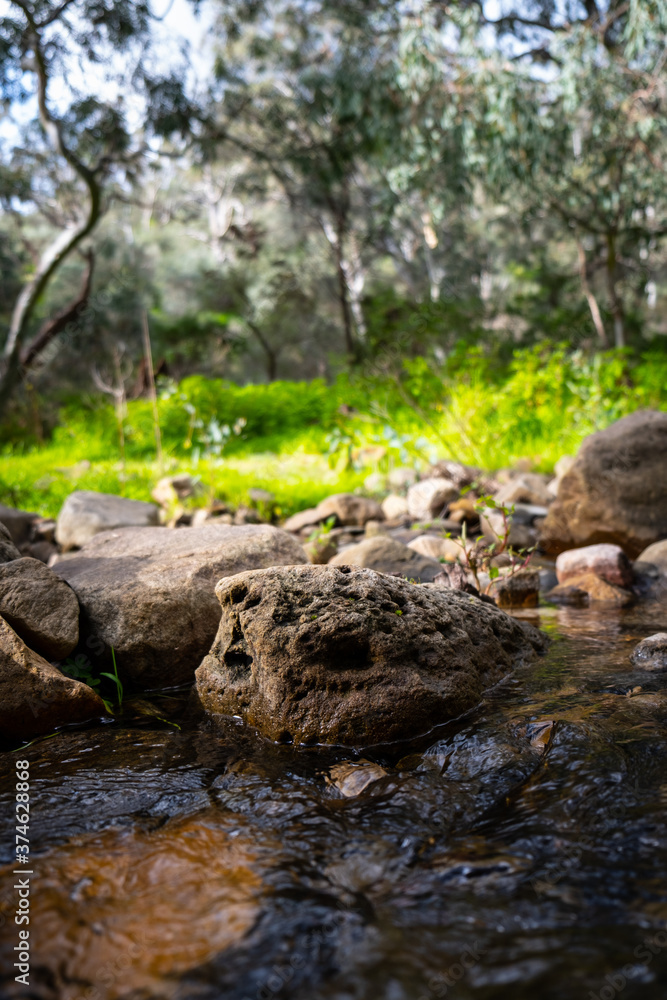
point(520, 852)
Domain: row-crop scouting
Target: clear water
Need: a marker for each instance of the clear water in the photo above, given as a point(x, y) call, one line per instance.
point(519, 852)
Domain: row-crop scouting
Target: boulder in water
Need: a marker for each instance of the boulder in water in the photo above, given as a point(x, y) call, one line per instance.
point(348, 656)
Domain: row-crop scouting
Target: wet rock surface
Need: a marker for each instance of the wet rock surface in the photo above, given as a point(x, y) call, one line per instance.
point(149, 592)
point(651, 653)
point(35, 696)
point(328, 655)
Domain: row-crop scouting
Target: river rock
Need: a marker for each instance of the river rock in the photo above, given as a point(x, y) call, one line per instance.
point(656, 555)
point(35, 697)
point(589, 588)
point(86, 513)
point(651, 653)
point(402, 477)
point(394, 507)
point(609, 562)
point(521, 590)
point(19, 524)
point(616, 489)
point(308, 518)
point(171, 490)
point(459, 474)
point(150, 593)
point(436, 547)
point(529, 488)
point(350, 509)
point(386, 555)
point(8, 550)
point(348, 656)
point(40, 607)
point(320, 550)
point(521, 536)
point(429, 498)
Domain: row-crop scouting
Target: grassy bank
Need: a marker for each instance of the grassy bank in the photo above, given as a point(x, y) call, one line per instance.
point(302, 441)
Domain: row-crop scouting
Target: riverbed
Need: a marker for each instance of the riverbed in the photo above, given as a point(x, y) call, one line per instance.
point(518, 852)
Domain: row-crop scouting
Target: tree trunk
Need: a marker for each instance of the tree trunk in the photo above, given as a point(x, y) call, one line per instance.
point(60, 248)
point(271, 355)
point(68, 316)
point(335, 238)
point(590, 298)
point(614, 298)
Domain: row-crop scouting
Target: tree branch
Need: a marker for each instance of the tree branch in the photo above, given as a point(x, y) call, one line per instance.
point(66, 242)
point(70, 314)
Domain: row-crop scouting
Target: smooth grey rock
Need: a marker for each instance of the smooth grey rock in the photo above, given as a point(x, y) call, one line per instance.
point(428, 498)
point(86, 513)
point(386, 555)
point(150, 592)
point(40, 607)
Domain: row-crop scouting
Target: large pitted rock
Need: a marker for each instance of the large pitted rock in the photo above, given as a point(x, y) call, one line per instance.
point(40, 607)
point(386, 555)
point(323, 654)
point(616, 489)
point(8, 550)
point(150, 592)
point(86, 513)
point(35, 697)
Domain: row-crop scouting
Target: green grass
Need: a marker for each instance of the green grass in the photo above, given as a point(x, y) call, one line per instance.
point(298, 445)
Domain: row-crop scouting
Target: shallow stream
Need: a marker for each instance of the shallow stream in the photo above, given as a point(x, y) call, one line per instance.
point(520, 852)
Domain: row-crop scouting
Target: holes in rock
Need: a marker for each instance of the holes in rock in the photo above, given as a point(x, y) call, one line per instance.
point(237, 660)
point(238, 592)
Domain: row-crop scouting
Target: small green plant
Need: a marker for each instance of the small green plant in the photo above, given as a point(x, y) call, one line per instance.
point(478, 556)
point(320, 533)
point(80, 670)
point(116, 679)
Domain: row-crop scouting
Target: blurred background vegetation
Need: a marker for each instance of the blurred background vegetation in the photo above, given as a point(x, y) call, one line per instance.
point(360, 234)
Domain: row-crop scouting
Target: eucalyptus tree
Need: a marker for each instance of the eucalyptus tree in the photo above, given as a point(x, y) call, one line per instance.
point(84, 67)
point(310, 91)
point(570, 121)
